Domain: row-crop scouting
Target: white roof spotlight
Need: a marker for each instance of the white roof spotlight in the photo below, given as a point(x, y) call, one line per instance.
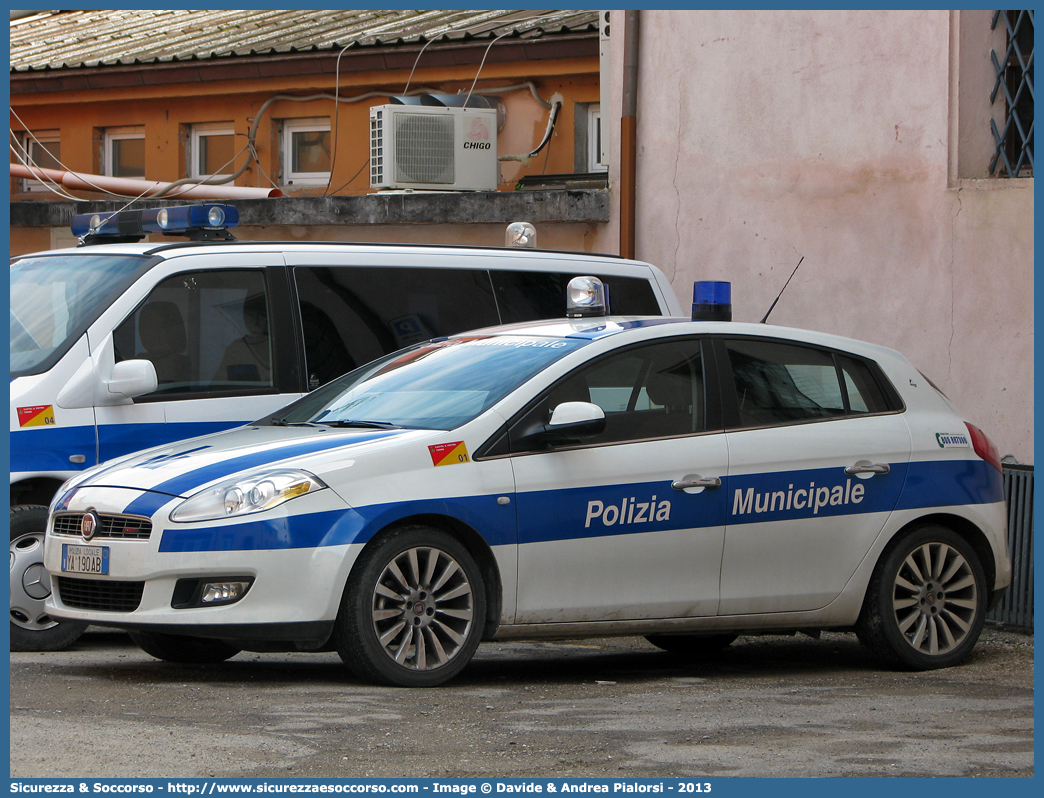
point(520, 234)
point(586, 296)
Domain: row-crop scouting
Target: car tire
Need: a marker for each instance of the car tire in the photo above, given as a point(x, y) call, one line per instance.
point(692, 645)
point(183, 649)
point(926, 602)
point(413, 610)
point(32, 629)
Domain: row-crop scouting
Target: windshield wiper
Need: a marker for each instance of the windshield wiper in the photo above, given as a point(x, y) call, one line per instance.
point(367, 424)
point(282, 422)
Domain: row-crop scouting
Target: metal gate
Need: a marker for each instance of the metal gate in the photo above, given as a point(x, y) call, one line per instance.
point(1016, 608)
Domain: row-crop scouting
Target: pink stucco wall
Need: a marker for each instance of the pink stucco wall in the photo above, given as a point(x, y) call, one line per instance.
point(834, 136)
point(767, 137)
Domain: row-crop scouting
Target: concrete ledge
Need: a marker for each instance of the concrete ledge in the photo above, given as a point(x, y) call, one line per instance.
point(499, 207)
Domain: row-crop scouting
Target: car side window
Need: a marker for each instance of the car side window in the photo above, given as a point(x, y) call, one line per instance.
point(350, 316)
point(864, 391)
point(527, 296)
point(651, 391)
point(205, 332)
point(779, 383)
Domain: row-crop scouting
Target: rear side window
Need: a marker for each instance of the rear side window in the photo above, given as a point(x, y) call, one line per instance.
point(779, 383)
point(351, 316)
point(865, 394)
point(527, 296)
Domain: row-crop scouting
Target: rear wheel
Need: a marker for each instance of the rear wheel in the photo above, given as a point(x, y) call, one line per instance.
point(413, 610)
point(182, 649)
point(926, 602)
point(32, 629)
point(692, 645)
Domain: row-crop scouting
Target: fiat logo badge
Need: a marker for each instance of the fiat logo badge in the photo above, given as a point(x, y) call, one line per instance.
point(90, 524)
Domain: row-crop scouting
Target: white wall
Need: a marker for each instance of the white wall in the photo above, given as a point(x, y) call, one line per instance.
point(765, 137)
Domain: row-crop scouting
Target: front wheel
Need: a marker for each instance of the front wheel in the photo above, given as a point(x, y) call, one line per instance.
point(182, 649)
point(926, 602)
point(32, 629)
point(413, 610)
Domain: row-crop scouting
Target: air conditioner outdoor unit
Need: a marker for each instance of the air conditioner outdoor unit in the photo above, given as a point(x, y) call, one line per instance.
point(433, 148)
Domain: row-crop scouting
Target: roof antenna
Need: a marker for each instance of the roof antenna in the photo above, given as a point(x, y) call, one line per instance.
point(774, 301)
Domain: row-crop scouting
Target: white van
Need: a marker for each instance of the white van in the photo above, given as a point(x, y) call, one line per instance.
point(117, 347)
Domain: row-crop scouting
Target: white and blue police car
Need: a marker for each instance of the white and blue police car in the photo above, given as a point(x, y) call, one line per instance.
point(124, 344)
point(689, 481)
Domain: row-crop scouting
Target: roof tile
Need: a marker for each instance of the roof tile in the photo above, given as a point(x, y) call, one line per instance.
point(70, 39)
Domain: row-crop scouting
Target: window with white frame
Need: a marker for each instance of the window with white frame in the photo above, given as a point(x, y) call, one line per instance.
point(212, 150)
point(42, 149)
point(124, 152)
point(594, 139)
point(306, 151)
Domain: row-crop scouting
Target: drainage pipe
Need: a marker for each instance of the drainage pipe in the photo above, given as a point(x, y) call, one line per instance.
point(628, 135)
point(143, 188)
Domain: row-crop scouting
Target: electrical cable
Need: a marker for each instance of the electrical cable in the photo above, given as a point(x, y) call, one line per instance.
point(337, 115)
point(357, 171)
point(409, 80)
point(482, 63)
point(552, 120)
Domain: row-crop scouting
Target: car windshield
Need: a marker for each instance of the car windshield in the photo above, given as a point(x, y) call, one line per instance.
point(54, 298)
point(435, 385)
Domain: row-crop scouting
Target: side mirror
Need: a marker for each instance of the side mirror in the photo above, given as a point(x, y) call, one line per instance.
point(132, 378)
point(90, 387)
point(572, 420)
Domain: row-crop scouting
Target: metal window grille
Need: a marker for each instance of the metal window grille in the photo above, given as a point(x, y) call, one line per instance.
point(1013, 153)
point(1016, 608)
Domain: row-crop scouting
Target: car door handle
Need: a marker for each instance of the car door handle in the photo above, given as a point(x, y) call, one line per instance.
point(708, 482)
point(863, 467)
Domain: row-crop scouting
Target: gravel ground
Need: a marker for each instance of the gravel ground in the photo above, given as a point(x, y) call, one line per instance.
point(766, 707)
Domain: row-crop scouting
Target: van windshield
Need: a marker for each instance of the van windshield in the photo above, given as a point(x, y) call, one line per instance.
point(55, 298)
point(436, 385)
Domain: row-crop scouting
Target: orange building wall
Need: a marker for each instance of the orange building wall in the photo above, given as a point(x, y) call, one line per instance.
point(165, 110)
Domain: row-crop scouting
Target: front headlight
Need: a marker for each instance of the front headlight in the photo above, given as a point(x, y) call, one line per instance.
point(245, 495)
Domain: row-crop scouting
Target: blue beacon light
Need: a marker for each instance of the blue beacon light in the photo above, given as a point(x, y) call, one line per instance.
point(711, 300)
point(206, 222)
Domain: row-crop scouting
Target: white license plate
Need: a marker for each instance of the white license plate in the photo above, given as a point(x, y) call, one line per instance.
point(85, 559)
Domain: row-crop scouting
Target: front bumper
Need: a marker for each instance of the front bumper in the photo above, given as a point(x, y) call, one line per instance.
point(298, 556)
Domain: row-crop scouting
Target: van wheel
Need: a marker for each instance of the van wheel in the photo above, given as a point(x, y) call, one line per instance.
point(692, 645)
point(182, 649)
point(413, 610)
point(32, 629)
point(926, 602)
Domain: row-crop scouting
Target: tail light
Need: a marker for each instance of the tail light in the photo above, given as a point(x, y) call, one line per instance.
point(984, 447)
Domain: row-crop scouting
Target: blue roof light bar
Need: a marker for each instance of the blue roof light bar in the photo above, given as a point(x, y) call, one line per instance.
point(199, 222)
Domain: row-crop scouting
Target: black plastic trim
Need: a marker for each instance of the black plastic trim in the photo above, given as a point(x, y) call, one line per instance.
point(311, 632)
